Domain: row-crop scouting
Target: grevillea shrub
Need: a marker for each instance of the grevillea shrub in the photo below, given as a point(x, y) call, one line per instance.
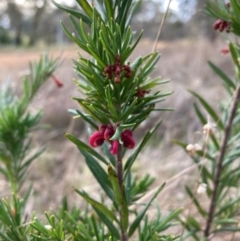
point(118, 95)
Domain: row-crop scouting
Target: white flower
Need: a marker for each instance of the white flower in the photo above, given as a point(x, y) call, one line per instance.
point(208, 129)
point(202, 188)
point(192, 148)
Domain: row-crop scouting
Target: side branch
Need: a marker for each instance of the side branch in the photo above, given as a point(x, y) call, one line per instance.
point(220, 161)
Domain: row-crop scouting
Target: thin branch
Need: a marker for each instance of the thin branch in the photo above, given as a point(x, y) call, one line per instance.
point(220, 161)
point(161, 26)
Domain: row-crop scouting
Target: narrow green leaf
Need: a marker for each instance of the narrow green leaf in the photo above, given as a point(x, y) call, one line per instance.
point(114, 181)
point(234, 55)
point(133, 157)
point(166, 221)
point(75, 13)
point(196, 202)
point(133, 10)
point(77, 41)
point(224, 208)
point(109, 9)
point(194, 223)
point(209, 109)
point(31, 159)
point(84, 147)
point(127, 38)
point(99, 173)
point(83, 31)
point(110, 102)
point(224, 77)
point(97, 205)
point(86, 7)
point(130, 49)
point(227, 229)
point(86, 117)
point(96, 231)
point(109, 224)
point(200, 115)
point(226, 221)
point(106, 46)
point(96, 56)
point(140, 216)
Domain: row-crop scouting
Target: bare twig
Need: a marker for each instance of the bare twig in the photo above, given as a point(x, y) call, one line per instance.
point(161, 26)
point(219, 163)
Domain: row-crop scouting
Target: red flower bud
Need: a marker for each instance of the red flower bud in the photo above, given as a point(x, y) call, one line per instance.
point(128, 74)
point(108, 69)
point(127, 139)
point(222, 25)
point(114, 147)
point(57, 81)
point(114, 67)
point(108, 133)
point(102, 128)
point(118, 70)
point(216, 24)
point(128, 142)
point(127, 68)
point(127, 133)
point(96, 139)
point(225, 51)
point(117, 79)
point(141, 93)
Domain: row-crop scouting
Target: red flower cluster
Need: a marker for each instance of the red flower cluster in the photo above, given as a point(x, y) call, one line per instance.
point(116, 69)
point(222, 25)
point(105, 132)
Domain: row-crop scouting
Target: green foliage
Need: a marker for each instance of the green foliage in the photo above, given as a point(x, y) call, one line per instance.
point(150, 230)
point(12, 224)
point(231, 14)
point(220, 169)
point(104, 43)
point(16, 123)
point(115, 92)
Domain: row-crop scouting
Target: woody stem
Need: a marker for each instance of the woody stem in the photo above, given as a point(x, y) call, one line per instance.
point(119, 168)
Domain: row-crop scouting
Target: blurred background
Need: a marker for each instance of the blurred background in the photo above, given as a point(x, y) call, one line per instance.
point(33, 22)
point(187, 41)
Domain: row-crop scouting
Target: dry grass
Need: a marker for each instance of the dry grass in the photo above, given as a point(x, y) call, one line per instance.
point(62, 167)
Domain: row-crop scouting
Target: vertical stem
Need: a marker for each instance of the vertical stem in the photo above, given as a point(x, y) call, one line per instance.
point(12, 181)
point(119, 168)
point(220, 161)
